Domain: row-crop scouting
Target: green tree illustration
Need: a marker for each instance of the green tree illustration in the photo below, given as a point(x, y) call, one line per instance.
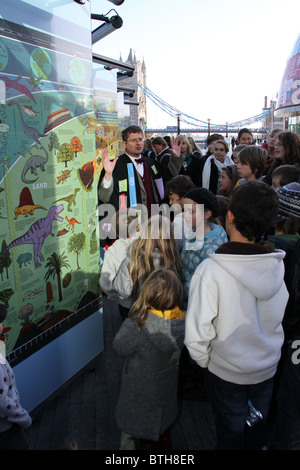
point(76, 244)
point(6, 259)
point(54, 142)
point(93, 243)
point(65, 154)
point(5, 295)
point(55, 264)
point(1, 267)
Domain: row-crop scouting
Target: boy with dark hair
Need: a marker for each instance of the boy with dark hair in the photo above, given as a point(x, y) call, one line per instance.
point(251, 163)
point(177, 188)
point(236, 304)
point(284, 175)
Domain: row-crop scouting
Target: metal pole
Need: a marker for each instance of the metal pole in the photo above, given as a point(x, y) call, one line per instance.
point(178, 124)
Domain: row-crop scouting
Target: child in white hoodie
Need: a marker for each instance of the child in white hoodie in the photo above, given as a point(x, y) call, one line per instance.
point(125, 227)
point(233, 324)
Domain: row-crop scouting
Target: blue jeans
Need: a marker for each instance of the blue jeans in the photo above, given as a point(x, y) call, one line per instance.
point(230, 405)
point(286, 432)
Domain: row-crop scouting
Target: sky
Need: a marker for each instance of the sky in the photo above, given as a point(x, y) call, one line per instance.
point(207, 58)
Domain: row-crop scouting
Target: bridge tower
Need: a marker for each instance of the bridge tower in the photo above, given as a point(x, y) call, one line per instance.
point(137, 103)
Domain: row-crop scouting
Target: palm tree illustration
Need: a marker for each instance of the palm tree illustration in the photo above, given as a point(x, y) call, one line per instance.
point(55, 264)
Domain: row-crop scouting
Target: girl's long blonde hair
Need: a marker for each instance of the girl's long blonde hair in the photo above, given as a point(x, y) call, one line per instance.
point(183, 138)
point(162, 290)
point(156, 235)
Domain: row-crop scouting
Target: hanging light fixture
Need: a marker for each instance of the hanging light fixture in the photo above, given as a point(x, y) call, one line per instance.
point(109, 25)
point(116, 2)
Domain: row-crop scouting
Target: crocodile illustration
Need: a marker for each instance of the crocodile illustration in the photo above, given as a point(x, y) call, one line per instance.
point(34, 162)
point(37, 234)
point(27, 209)
point(70, 199)
point(33, 293)
point(31, 132)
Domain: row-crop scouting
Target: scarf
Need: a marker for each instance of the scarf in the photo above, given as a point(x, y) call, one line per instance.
point(169, 314)
point(207, 168)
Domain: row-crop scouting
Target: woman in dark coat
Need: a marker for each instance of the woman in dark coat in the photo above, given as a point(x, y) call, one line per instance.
point(152, 341)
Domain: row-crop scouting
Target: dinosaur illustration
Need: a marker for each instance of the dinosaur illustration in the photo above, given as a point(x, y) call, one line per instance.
point(71, 222)
point(25, 210)
point(70, 199)
point(24, 258)
point(31, 132)
point(26, 205)
point(9, 83)
point(34, 162)
point(37, 234)
point(64, 175)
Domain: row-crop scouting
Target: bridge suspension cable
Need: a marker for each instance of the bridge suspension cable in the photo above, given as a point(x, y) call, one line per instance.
point(174, 112)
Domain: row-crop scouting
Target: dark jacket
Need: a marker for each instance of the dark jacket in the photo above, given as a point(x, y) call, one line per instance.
point(291, 320)
point(121, 183)
point(169, 166)
point(147, 404)
point(195, 170)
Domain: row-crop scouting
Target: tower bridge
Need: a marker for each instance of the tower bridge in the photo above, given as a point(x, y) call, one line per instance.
point(200, 126)
point(205, 130)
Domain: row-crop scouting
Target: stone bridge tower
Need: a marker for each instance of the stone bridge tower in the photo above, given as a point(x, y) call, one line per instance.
point(138, 108)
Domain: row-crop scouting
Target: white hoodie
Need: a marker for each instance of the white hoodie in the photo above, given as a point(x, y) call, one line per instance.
point(113, 258)
point(233, 323)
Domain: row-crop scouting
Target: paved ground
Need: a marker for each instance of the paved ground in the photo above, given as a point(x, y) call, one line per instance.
point(82, 412)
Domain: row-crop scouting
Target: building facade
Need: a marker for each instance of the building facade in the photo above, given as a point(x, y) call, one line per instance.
point(288, 103)
point(271, 121)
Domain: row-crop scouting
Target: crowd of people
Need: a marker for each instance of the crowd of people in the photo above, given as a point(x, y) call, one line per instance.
point(231, 239)
point(213, 280)
point(208, 284)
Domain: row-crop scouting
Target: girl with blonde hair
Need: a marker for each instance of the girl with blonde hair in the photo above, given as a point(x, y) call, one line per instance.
point(151, 340)
point(154, 248)
point(186, 149)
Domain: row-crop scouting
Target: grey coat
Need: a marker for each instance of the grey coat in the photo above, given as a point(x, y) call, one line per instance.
point(147, 404)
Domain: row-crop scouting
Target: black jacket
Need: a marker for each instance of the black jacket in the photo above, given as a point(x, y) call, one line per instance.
point(121, 183)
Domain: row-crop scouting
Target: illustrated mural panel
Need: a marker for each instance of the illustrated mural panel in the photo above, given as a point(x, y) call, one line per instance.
point(49, 261)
